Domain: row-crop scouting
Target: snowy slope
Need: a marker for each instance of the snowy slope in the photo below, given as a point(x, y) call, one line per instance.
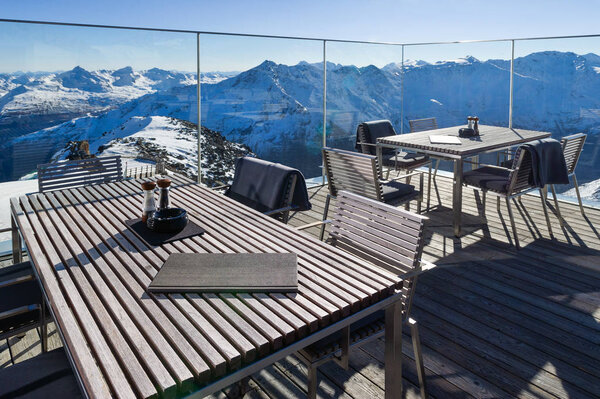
point(169, 140)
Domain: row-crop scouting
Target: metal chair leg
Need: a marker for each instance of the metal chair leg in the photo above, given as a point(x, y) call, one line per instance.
point(512, 221)
point(325, 211)
point(483, 197)
point(578, 194)
point(44, 327)
point(546, 213)
point(312, 382)
point(429, 188)
point(416, 341)
point(437, 166)
point(560, 219)
point(17, 245)
point(498, 203)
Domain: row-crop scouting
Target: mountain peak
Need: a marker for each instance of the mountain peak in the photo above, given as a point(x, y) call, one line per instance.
point(124, 70)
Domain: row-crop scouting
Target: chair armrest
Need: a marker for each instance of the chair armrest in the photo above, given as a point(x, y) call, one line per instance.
point(280, 210)
point(222, 186)
point(415, 173)
point(313, 224)
point(424, 267)
point(18, 311)
point(498, 167)
point(16, 280)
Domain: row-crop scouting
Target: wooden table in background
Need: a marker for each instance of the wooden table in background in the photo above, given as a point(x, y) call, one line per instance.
point(124, 341)
point(490, 139)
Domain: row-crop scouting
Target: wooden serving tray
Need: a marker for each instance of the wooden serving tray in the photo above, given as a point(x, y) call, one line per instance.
point(272, 272)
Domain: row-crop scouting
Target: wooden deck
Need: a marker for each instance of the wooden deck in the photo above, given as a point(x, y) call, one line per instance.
point(495, 322)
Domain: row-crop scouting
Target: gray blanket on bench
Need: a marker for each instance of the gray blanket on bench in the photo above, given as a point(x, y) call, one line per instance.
point(262, 185)
point(548, 162)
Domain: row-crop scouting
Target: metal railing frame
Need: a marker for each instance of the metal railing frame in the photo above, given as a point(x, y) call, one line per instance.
point(324, 41)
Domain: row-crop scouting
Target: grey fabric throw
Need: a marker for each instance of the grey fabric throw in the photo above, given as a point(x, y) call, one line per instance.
point(547, 162)
point(372, 131)
point(261, 185)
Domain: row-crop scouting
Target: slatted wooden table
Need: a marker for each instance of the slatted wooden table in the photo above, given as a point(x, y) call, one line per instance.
point(490, 139)
point(126, 342)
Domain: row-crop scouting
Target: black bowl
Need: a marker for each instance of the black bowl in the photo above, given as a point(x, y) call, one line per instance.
point(171, 220)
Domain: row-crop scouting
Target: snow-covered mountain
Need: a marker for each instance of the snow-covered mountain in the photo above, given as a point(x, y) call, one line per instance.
point(33, 101)
point(277, 109)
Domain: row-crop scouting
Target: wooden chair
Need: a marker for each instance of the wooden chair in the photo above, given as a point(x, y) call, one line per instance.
point(48, 375)
point(391, 158)
point(420, 125)
point(67, 174)
point(507, 183)
point(391, 238)
point(361, 174)
point(572, 147)
point(21, 302)
point(282, 211)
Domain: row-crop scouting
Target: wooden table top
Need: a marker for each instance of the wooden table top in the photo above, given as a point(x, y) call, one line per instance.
point(127, 342)
point(490, 138)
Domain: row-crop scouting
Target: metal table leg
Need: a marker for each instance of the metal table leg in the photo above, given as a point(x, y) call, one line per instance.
point(457, 195)
point(393, 351)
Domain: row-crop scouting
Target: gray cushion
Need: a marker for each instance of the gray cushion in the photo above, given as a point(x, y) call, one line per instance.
point(488, 178)
point(404, 160)
point(45, 376)
point(394, 190)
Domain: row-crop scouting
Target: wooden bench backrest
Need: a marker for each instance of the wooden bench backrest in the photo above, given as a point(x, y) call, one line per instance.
point(419, 125)
point(572, 147)
point(384, 235)
point(67, 174)
point(353, 172)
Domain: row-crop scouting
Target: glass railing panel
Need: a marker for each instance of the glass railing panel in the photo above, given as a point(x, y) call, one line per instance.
point(556, 86)
point(453, 81)
point(267, 101)
point(364, 83)
point(71, 92)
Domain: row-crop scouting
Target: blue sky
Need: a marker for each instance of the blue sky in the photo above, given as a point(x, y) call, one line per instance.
point(32, 47)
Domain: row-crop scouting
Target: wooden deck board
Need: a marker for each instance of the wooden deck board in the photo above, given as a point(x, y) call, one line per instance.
point(495, 322)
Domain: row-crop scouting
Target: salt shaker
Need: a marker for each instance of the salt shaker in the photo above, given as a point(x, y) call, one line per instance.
point(149, 204)
point(163, 194)
point(470, 122)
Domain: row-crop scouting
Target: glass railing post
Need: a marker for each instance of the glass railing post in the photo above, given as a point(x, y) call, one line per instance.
point(324, 105)
point(402, 93)
point(512, 73)
point(199, 105)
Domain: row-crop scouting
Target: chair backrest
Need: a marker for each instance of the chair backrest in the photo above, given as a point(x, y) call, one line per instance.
point(384, 235)
point(419, 125)
point(353, 172)
point(67, 174)
point(368, 133)
point(520, 177)
point(572, 147)
point(262, 185)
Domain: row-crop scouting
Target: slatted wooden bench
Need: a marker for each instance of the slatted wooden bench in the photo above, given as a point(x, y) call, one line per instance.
point(67, 174)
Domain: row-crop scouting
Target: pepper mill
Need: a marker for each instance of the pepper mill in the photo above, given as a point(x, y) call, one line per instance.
point(163, 194)
point(149, 204)
point(476, 125)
